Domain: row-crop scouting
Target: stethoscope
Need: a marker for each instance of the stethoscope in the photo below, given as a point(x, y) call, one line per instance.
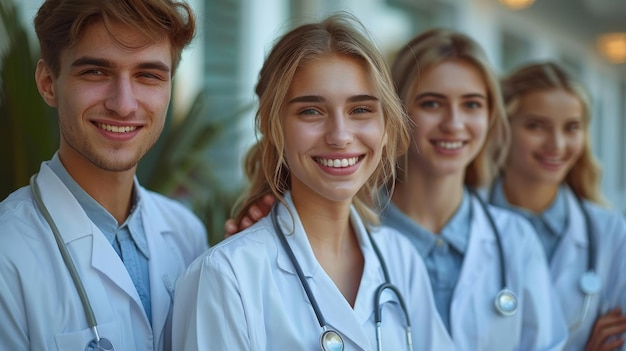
point(506, 301)
point(330, 339)
point(589, 282)
point(98, 343)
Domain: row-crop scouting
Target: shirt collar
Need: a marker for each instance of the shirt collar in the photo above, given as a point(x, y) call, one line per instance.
point(555, 217)
point(455, 232)
point(98, 214)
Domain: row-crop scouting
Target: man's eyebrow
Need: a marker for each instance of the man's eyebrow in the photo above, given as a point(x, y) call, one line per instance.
point(157, 65)
point(92, 61)
point(99, 62)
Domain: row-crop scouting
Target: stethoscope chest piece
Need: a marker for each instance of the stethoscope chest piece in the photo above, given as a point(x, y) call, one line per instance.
point(590, 283)
point(331, 341)
point(101, 345)
point(506, 302)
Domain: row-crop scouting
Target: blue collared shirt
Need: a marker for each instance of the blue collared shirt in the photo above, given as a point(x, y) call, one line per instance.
point(137, 268)
point(550, 224)
point(442, 253)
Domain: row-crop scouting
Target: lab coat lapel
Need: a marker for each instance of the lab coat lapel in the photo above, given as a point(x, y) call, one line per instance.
point(334, 307)
point(74, 224)
point(481, 249)
point(572, 250)
point(164, 269)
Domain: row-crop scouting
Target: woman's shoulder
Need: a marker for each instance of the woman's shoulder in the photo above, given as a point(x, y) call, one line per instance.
point(252, 244)
point(606, 222)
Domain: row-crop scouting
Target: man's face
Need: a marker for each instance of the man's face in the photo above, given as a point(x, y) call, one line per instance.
point(111, 99)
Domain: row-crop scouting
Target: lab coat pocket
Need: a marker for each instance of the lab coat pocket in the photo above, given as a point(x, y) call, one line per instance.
point(79, 340)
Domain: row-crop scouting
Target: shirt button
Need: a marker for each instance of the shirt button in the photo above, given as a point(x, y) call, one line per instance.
point(440, 242)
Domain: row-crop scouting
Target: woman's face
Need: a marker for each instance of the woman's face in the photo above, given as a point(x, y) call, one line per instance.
point(548, 135)
point(334, 128)
point(449, 105)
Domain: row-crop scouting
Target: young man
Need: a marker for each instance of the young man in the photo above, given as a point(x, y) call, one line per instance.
point(107, 68)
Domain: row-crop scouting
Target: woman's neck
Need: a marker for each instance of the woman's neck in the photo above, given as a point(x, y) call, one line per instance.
point(334, 242)
point(535, 197)
point(429, 201)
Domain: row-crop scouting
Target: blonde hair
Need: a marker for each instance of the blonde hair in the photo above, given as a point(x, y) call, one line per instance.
point(584, 177)
point(265, 164)
point(439, 45)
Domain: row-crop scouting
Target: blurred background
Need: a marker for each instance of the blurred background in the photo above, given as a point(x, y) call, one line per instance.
point(198, 158)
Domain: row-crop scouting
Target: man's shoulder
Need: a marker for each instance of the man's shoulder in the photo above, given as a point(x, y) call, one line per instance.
point(16, 205)
point(167, 206)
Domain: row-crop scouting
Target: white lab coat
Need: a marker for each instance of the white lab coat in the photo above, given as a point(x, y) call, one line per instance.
point(244, 294)
point(569, 262)
point(39, 306)
point(474, 322)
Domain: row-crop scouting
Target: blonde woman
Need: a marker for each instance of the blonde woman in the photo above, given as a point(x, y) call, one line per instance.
point(551, 177)
point(487, 270)
point(318, 270)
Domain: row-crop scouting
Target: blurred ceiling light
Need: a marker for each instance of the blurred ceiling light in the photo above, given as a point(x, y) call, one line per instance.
point(613, 46)
point(517, 4)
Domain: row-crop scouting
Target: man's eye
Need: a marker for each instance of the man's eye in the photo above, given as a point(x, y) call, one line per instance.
point(93, 72)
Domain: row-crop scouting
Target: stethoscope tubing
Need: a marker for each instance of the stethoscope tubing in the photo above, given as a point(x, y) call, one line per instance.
point(100, 343)
point(496, 234)
point(591, 258)
point(69, 263)
point(307, 289)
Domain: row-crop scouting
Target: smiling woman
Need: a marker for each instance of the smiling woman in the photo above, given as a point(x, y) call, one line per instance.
point(331, 128)
point(553, 179)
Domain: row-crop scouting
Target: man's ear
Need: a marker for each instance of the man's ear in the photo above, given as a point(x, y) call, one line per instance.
point(45, 83)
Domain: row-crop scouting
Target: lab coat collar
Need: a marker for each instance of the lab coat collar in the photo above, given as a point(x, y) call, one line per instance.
point(336, 310)
point(74, 224)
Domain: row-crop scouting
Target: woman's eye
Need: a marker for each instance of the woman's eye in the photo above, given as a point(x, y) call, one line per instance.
point(429, 104)
point(308, 111)
point(473, 104)
point(533, 125)
point(572, 127)
point(362, 109)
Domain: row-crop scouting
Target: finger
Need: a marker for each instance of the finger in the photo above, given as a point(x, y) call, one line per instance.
point(245, 223)
point(231, 227)
point(613, 345)
point(269, 200)
point(255, 213)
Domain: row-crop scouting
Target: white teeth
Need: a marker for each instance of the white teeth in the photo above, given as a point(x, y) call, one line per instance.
point(449, 145)
point(337, 163)
point(116, 129)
